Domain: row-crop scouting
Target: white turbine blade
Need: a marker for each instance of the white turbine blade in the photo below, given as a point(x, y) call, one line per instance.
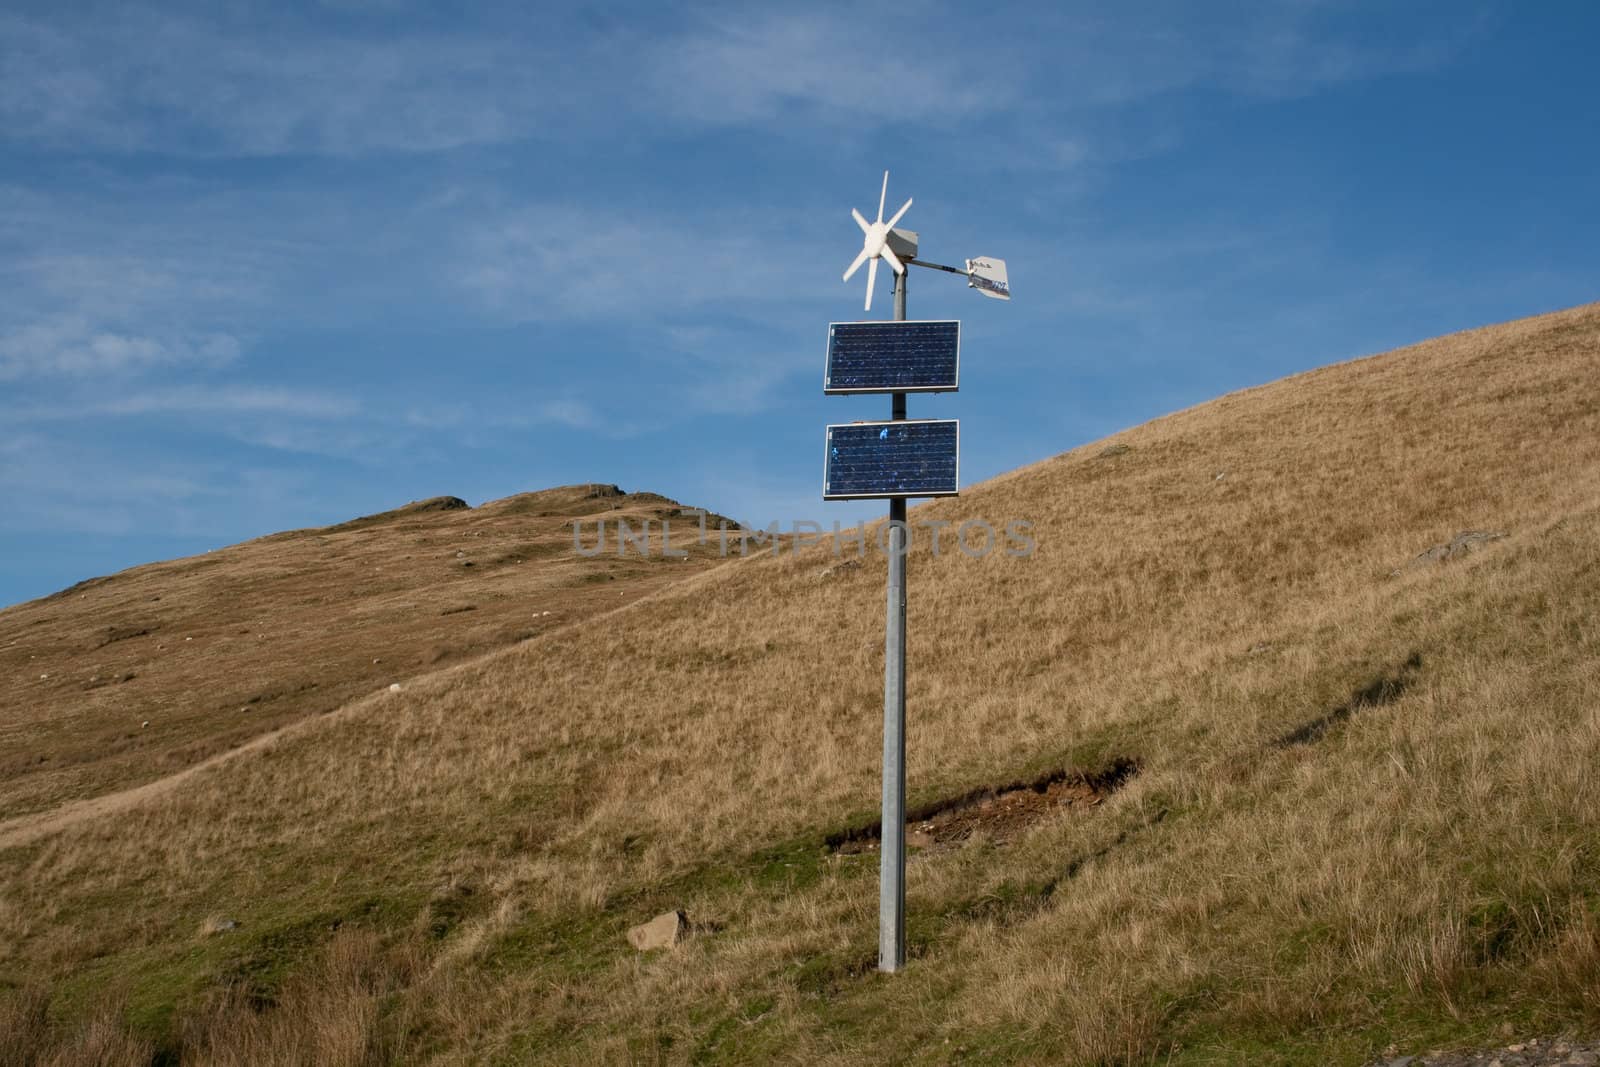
point(855, 266)
point(883, 195)
point(866, 227)
point(903, 208)
point(894, 260)
point(872, 276)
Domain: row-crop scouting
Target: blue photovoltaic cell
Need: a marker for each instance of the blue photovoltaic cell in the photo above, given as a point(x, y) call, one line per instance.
point(914, 457)
point(892, 357)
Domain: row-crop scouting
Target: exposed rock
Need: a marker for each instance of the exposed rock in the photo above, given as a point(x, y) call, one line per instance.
point(416, 507)
point(1462, 543)
point(840, 569)
point(664, 931)
point(438, 503)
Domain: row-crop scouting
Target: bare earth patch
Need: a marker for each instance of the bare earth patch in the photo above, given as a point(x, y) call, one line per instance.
point(997, 814)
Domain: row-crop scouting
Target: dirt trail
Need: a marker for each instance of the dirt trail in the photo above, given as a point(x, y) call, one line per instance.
point(27, 829)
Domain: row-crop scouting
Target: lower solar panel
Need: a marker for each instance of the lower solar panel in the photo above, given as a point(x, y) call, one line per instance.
point(908, 457)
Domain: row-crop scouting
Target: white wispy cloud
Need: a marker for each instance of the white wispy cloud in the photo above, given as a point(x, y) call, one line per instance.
point(267, 80)
point(574, 261)
point(74, 485)
point(95, 290)
point(84, 486)
point(743, 65)
point(263, 81)
point(65, 270)
point(865, 66)
point(75, 346)
point(569, 412)
point(259, 82)
point(230, 400)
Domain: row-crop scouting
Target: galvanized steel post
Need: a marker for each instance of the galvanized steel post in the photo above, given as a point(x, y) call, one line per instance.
point(892, 839)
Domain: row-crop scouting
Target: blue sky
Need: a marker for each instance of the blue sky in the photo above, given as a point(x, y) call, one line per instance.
point(270, 266)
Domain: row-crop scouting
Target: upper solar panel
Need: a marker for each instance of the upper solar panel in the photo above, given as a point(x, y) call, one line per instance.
point(904, 458)
point(893, 357)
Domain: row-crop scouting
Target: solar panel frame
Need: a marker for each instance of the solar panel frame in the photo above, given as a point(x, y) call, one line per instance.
point(950, 385)
point(955, 482)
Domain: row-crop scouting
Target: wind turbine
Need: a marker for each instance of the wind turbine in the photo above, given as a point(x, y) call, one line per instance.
point(875, 245)
point(880, 476)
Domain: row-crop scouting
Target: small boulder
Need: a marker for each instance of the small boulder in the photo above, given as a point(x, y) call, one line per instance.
point(664, 931)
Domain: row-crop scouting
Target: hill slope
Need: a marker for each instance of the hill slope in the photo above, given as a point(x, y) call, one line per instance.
point(130, 678)
point(1312, 794)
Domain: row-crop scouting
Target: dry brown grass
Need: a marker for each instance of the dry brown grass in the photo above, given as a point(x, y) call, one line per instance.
point(24, 1027)
point(100, 1039)
point(1420, 864)
point(330, 1014)
point(217, 650)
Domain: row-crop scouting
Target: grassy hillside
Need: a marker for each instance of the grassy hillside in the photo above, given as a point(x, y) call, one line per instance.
point(127, 679)
point(1315, 792)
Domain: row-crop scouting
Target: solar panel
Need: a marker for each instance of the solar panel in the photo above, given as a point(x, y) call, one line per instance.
point(892, 357)
point(907, 457)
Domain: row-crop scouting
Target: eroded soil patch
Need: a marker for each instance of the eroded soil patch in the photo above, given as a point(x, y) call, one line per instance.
point(996, 813)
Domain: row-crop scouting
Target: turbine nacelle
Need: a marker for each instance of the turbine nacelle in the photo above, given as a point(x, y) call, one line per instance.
point(875, 243)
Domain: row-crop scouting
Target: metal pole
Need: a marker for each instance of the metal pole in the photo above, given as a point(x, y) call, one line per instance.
point(892, 840)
